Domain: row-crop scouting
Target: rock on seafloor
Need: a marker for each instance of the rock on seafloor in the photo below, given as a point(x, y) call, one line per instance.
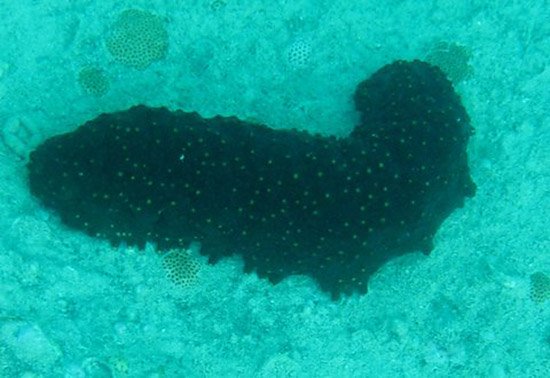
point(288, 202)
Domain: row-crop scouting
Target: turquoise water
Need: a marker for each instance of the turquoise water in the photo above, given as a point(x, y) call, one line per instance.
point(72, 306)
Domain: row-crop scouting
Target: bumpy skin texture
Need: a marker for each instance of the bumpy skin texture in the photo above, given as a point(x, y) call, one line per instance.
point(287, 202)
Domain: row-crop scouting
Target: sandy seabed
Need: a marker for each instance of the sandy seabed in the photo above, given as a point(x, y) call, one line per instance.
point(73, 306)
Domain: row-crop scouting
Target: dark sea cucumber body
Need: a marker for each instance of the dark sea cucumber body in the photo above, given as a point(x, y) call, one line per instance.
point(287, 202)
